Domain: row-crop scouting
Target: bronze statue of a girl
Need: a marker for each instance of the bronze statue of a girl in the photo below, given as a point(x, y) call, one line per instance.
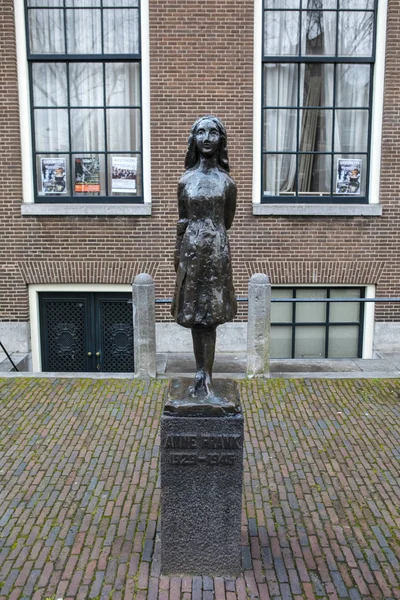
point(204, 295)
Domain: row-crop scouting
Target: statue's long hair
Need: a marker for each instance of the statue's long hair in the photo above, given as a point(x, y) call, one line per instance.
point(192, 154)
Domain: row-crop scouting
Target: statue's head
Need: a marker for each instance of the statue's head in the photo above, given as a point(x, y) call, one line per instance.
point(192, 154)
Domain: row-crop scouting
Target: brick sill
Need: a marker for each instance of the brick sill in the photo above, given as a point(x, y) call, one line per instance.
point(319, 210)
point(88, 210)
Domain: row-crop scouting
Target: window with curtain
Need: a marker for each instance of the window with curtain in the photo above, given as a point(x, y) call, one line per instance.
point(318, 59)
point(85, 79)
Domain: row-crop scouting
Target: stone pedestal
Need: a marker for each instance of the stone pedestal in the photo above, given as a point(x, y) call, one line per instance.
point(201, 488)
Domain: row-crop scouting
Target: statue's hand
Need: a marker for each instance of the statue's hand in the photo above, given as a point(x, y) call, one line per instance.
point(181, 226)
point(176, 257)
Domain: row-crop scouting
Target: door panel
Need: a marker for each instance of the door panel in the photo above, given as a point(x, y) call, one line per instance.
point(65, 325)
point(115, 333)
point(86, 332)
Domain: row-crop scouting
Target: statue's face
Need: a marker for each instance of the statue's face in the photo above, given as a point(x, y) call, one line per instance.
point(207, 137)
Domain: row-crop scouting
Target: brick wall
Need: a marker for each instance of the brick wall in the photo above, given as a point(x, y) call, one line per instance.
point(201, 57)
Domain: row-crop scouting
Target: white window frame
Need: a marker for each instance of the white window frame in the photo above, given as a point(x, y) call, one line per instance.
point(374, 208)
point(28, 206)
point(34, 314)
point(369, 310)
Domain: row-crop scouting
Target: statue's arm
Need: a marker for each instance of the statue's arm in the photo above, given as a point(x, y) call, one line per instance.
point(181, 201)
point(230, 205)
point(181, 225)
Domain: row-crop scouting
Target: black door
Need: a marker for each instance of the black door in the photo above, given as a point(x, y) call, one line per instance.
point(86, 332)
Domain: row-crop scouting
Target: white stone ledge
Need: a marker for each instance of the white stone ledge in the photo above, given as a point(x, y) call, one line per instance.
point(88, 210)
point(322, 210)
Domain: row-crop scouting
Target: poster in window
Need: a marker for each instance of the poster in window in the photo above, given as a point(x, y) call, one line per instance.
point(87, 175)
point(348, 176)
point(124, 173)
point(54, 173)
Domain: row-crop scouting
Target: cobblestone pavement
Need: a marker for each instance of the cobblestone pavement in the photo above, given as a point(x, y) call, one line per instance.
point(80, 492)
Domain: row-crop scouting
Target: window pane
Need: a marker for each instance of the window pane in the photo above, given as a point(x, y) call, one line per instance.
point(87, 129)
point(123, 129)
point(351, 131)
point(281, 342)
point(309, 342)
point(83, 31)
point(82, 3)
point(279, 174)
point(51, 130)
point(45, 3)
point(318, 33)
point(350, 174)
point(316, 84)
point(311, 312)
point(355, 33)
point(89, 175)
point(111, 3)
point(319, 4)
point(280, 84)
point(52, 175)
point(316, 130)
point(281, 312)
point(125, 175)
point(344, 311)
point(315, 174)
point(343, 341)
point(86, 84)
point(49, 81)
point(356, 4)
point(46, 31)
point(123, 84)
point(281, 3)
point(121, 31)
point(281, 33)
point(280, 129)
point(352, 85)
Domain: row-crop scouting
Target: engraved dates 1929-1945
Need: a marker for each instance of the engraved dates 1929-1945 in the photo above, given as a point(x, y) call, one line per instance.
point(218, 444)
point(191, 460)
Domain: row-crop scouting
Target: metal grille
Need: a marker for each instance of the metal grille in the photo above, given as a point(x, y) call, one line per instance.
point(117, 336)
point(66, 336)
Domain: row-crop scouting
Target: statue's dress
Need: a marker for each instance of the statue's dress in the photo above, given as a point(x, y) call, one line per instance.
point(204, 293)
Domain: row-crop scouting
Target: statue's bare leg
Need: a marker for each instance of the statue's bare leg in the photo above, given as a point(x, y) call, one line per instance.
point(204, 352)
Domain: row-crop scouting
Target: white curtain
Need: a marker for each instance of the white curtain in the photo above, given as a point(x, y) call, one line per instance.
point(123, 89)
point(50, 90)
point(121, 30)
point(86, 90)
point(280, 126)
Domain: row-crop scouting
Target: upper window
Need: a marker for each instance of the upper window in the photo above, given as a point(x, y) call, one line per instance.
point(318, 59)
point(85, 78)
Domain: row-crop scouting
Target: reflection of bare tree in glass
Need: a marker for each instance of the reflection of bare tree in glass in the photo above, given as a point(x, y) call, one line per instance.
point(281, 33)
point(46, 31)
point(352, 87)
point(355, 33)
point(50, 84)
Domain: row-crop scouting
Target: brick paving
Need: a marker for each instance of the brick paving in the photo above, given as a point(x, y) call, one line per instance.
point(80, 492)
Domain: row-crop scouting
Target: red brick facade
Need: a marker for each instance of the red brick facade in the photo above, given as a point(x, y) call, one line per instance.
point(201, 61)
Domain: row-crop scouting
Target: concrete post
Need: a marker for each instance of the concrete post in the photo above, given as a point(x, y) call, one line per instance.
point(258, 327)
point(144, 325)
